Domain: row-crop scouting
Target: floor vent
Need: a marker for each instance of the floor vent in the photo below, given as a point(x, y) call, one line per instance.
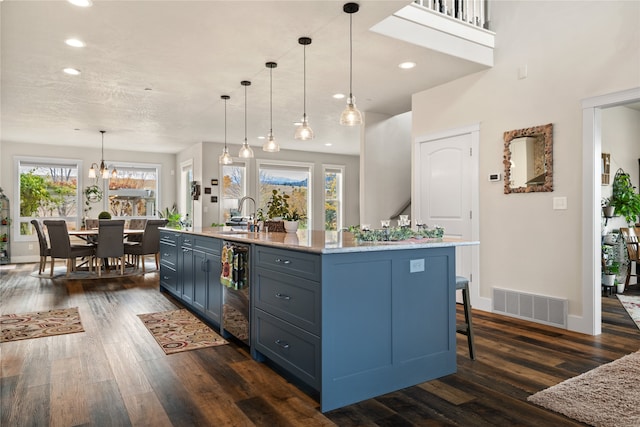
point(537, 308)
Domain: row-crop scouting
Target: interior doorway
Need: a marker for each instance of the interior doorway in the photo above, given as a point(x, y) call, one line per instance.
point(591, 195)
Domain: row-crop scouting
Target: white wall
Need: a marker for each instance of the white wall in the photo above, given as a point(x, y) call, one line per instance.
point(205, 156)
point(9, 150)
point(385, 163)
point(572, 51)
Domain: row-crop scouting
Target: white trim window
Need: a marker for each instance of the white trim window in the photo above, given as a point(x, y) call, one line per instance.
point(133, 193)
point(232, 189)
point(46, 188)
point(292, 178)
point(333, 180)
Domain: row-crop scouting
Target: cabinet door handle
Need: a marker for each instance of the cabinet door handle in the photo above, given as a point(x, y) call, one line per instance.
point(283, 261)
point(205, 265)
point(282, 344)
point(283, 296)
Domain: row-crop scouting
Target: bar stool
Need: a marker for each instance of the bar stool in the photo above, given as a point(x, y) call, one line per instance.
point(462, 283)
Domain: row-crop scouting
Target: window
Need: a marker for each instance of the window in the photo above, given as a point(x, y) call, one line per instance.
point(47, 189)
point(291, 178)
point(133, 192)
point(333, 191)
point(234, 188)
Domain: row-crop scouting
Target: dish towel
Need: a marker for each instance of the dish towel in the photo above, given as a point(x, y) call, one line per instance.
point(234, 266)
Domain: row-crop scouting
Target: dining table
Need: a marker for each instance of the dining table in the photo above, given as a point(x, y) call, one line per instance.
point(91, 234)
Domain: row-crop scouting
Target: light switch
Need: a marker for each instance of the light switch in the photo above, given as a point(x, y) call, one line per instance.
point(416, 265)
point(559, 203)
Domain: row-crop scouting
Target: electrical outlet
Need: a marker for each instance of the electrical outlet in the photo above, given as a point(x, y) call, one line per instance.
point(30, 247)
point(416, 265)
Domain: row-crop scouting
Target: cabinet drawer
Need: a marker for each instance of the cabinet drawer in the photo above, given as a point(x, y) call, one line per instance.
point(300, 264)
point(209, 245)
point(168, 278)
point(168, 254)
point(170, 237)
point(293, 349)
point(290, 298)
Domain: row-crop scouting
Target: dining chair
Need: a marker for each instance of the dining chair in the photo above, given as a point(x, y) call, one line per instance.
point(150, 243)
point(630, 236)
point(110, 243)
point(45, 250)
point(61, 247)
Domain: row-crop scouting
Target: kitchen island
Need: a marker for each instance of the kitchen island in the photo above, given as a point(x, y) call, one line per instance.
point(347, 320)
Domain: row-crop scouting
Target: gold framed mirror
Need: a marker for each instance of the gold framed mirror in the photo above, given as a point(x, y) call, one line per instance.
point(528, 160)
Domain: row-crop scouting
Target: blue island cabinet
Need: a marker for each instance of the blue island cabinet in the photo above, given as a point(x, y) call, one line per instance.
point(387, 319)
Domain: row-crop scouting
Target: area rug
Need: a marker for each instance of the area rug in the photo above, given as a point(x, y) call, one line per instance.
point(39, 324)
point(607, 396)
point(179, 330)
point(632, 305)
point(60, 272)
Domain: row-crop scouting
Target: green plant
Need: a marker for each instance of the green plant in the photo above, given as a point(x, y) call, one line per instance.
point(172, 216)
point(624, 199)
point(612, 267)
point(104, 215)
point(278, 205)
point(293, 215)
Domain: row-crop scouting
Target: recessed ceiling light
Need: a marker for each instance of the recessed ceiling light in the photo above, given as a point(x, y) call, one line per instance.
point(81, 3)
point(75, 43)
point(328, 144)
point(339, 96)
point(71, 71)
point(297, 123)
point(407, 65)
point(261, 137)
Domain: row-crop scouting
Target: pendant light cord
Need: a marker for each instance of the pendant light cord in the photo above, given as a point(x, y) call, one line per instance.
point(271, 101)
point(245, 114)
point(351, 56)
point(225, 125)
point(304, 81)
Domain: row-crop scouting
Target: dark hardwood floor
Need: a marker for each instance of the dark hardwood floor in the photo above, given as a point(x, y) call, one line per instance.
point(115, 374)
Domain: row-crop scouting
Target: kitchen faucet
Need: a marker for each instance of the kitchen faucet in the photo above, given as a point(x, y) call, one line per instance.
point(242, 201)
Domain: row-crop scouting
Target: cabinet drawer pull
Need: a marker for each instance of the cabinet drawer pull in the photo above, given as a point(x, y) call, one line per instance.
point(282, 344)
point(166, 255)
point(283, 296)
point(165, 277)
point(185, 249)
point(283, 261)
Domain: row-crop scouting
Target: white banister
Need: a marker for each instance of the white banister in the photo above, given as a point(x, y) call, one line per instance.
point(474, 12)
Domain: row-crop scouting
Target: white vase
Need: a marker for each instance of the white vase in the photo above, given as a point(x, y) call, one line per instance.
point(291, 226)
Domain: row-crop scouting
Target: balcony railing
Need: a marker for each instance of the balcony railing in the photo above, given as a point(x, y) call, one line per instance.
point(473, 12)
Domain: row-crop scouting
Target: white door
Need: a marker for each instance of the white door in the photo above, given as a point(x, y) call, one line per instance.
point(445, 175)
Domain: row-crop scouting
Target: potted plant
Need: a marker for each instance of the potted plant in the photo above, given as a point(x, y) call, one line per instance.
point(278, 205)
point(172, 216)
point(291, 220)
point(624, 199)
point(611, 269)
point(608, 211)
point(104, 215)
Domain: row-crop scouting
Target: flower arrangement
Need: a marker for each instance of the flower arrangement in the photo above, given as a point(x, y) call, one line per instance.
point(395, 234)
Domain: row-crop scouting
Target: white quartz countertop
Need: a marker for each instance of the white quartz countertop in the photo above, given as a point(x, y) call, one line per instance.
point(325, 242)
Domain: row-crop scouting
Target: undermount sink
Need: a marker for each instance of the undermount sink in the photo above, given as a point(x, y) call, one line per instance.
point(234, 232)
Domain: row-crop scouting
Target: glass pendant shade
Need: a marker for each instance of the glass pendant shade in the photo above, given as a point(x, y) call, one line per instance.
point(271, 145)
point(92, 172)
point(351, 116)
point(304, 131)
point(225, 158)
point(245, 151)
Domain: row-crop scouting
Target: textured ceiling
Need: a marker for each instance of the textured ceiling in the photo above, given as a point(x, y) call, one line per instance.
point(188, 53)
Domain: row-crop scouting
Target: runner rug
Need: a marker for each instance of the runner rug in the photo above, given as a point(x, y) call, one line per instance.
point(632, 305)
point(607, 396)
point(179, 330)
point(39, 324)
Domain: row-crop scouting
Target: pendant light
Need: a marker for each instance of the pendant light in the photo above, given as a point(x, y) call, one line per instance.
point(225, 158)
point(271, 145)
point(304, 131)
point(245, 151)
point(351, 116)
point(104, 170)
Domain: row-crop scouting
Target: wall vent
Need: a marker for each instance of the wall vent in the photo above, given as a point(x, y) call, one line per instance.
point(537, 308)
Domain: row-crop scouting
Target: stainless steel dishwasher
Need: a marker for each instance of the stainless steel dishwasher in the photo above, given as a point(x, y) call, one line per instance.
point(235, 291)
